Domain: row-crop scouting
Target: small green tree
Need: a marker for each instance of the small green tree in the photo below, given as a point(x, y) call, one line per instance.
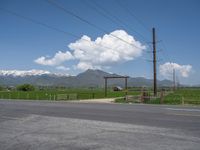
point(26, 87)
point(1, 88)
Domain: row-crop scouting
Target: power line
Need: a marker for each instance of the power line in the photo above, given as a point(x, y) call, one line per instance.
point(88, 22)
point(38, 22)
point(131, 13)
point(163, 50)
point(168, 58)
point(98, 11)
point(48, 26)
point(111, 16)
point(165, 53)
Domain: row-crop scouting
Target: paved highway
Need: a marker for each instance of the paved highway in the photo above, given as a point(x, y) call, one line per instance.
point(82, 126)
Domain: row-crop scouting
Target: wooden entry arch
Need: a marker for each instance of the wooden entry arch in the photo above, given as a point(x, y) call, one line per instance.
point(115, 77)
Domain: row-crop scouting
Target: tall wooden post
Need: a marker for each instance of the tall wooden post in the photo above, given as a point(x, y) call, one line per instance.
point(105, 86)
point(126, 88)
point(154, 63)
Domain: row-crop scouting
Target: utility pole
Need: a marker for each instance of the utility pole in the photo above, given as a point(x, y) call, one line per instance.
point(154, 63)
point(105, 86)
point(126, 87)
point(174, 79)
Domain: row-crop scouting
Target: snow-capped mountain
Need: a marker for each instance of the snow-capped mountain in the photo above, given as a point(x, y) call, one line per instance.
point(22, 73)
point(89, 78)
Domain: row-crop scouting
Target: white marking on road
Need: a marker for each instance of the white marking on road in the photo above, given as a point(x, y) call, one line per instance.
point(183, 109)
point(7, 117)
point(178, 114)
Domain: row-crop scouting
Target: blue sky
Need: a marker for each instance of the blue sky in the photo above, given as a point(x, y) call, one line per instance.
point(177, 27)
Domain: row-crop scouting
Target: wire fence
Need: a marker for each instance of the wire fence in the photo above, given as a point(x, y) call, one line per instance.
point(136, 96)
point(169, 97)
point(59, 96)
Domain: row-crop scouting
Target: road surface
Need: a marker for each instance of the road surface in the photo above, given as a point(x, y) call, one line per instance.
point(87, 126)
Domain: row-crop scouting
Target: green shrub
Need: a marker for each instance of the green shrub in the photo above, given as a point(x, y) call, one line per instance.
point(120, 100)
point(1, 88)
point(25, 87)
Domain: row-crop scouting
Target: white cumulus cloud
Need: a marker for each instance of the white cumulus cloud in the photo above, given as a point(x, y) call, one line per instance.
point(166, 69)
point(105, 51)
point(63, 68)
point(58, 59)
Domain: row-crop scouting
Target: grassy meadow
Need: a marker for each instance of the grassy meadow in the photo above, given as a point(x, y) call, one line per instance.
point(64, 94)
point(185, 96)
point(180, 96)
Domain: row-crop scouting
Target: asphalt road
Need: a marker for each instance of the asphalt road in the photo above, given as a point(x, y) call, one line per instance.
point(84, 126)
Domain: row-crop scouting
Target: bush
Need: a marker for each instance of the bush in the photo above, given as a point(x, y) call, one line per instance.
point(26, 87)
point(120, 100)
point(1, 88)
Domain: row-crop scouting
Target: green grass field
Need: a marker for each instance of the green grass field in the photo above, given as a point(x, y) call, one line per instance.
point(180, 96)
point(62, 94)
point(186, 96)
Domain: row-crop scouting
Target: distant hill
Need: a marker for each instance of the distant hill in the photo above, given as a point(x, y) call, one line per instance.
point(89, 78)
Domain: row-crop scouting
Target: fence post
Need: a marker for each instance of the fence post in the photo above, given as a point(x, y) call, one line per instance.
point(126, 98)
point(183, 100)
point(161, 97)
point(17, 95)
point(142, 96)
point(27, 95)
point(93, 95)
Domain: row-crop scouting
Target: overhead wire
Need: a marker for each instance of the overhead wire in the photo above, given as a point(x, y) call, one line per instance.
point(165, 53)
point(65, 32)
point(88, 22)
point(118, 20)
point(112, 18)
point(49, 27)
point(59, 30)
point(37, 22)
point(131, 13)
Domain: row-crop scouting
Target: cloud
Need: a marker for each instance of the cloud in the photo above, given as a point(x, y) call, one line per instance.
point(59, 58)
point(166, 69)
point(23, 72)
point(63, 68)
point(105, 51)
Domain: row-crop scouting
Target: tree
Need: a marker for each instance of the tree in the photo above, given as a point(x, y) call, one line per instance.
point(26, 87)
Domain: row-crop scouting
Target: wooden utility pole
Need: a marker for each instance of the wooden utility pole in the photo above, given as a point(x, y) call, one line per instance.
point(105, 86)
point(126, 88)
point(154, 63)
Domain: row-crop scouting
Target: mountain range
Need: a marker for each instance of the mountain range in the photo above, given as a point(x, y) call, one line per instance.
point(89, 78)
